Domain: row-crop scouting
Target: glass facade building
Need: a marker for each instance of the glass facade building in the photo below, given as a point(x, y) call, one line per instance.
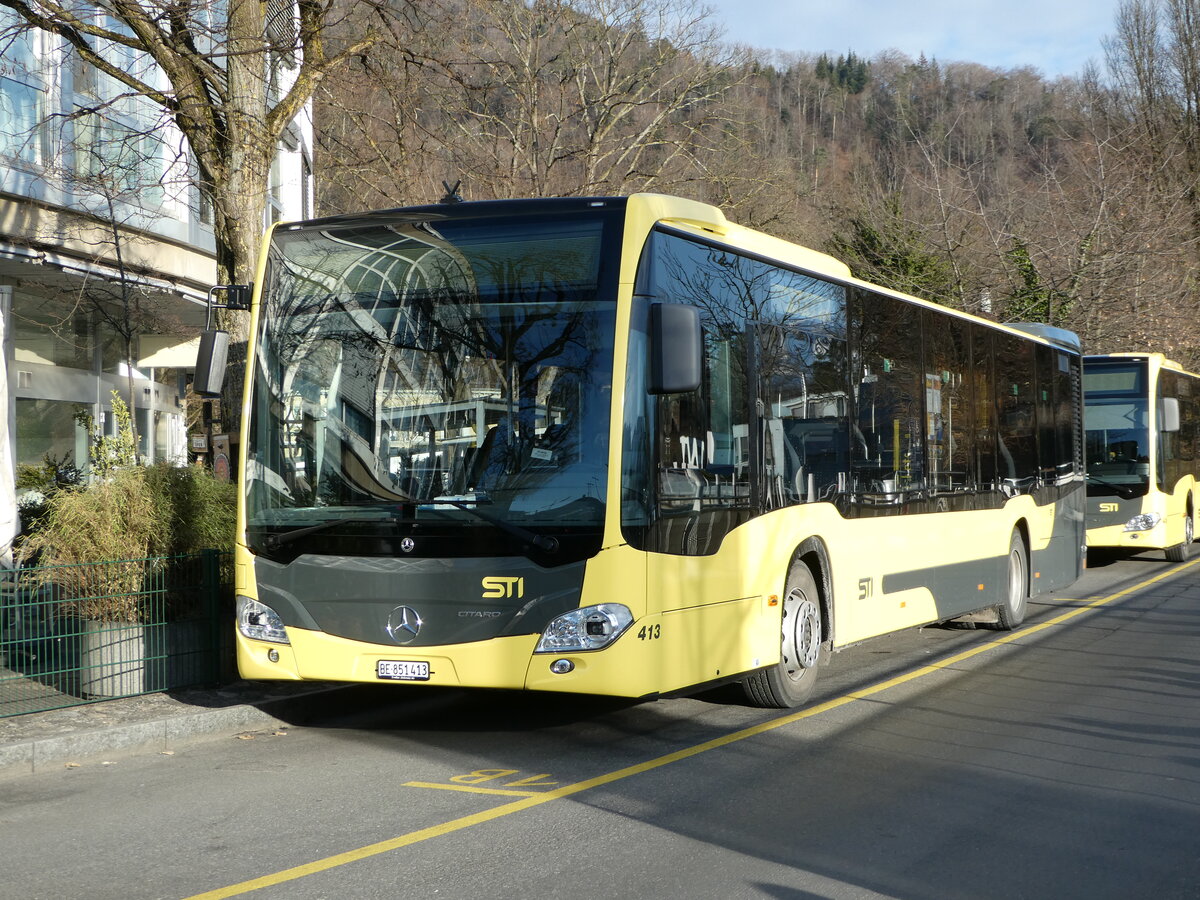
point(94, 182)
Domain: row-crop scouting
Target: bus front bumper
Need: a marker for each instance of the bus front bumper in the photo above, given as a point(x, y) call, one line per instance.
point(506, 663)
point(1116, 537)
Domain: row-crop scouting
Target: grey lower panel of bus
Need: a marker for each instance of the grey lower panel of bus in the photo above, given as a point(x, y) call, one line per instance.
point(360, 598)
point(955, 587)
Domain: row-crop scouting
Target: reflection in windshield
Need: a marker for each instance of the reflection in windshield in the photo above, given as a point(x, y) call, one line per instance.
point(1116, 422)
point(450, 373)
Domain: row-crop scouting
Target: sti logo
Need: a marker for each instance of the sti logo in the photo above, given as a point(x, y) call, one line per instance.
point(501, 587)
point(1109, 507)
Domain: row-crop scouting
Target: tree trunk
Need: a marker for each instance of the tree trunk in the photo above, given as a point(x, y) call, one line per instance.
point(239, 238)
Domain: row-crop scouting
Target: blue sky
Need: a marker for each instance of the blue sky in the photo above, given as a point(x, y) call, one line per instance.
point(1057, 37)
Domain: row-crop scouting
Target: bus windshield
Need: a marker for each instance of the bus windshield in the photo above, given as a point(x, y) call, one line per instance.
point(1116, 421)
point(443, 378)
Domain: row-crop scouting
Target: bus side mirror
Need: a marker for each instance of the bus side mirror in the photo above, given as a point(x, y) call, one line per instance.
point(210, 363)
point(1168, 414)
point(676, 348)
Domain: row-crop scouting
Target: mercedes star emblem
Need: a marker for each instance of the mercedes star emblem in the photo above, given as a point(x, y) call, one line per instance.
point(404, 624)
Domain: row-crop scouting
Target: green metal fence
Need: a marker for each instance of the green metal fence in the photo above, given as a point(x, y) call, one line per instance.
point(77, 634)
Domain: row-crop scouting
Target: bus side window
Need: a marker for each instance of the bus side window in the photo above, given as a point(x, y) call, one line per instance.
point(1169, 468)
point(1068, 450)
point(700, 440)
point(1017, 444)
point(802, 390)
point(889, 469)
point(949, 414)
point(983, 400)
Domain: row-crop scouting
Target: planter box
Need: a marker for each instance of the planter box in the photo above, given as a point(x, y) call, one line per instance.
point(112, 660)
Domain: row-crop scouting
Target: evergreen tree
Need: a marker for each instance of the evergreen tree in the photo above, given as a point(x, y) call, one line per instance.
point(890, 251)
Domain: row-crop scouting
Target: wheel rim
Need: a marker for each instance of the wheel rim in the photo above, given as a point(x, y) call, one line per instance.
point(1016, 581)
point(801, 634)
point(1188, 530)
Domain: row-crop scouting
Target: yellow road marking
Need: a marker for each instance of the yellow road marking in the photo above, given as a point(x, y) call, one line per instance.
point(471, 790)
point(534, 800)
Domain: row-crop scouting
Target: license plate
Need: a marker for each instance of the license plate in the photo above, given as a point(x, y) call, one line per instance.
point(402, 670)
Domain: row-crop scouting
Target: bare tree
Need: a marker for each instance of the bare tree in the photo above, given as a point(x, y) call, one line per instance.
point(1155, 60)
point(231, 77)
point(110, 171)
point(119, 175)
point(533, 98)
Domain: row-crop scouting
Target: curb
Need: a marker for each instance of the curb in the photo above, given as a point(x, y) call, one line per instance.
point(175, 727)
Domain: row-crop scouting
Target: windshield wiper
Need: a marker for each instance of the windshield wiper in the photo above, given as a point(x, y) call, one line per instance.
point(542, 542)
point(1124, 491)
point(275, 541)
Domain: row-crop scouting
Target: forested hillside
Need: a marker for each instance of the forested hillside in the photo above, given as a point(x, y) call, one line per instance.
point(1073, 202)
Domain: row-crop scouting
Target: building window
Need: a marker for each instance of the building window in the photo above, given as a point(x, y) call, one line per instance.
point(113, 357)
point(50, 429)
point(119, 159)
point(50, 333)
point(204, 205)
point(119, 153)
point(166, 447)
point(275, 199)
point(24, 136)
point(144, 432)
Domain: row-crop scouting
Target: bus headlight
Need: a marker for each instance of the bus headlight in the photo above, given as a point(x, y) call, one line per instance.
point(260, 622)
point(589, 628)
point(1144, 522)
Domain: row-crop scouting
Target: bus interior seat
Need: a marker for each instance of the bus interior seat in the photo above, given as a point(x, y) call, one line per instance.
point(486, 459)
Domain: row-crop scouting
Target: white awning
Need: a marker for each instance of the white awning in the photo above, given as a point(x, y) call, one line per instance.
point(165, 352)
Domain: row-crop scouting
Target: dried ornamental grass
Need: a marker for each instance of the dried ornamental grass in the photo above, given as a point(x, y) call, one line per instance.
point(97, 540)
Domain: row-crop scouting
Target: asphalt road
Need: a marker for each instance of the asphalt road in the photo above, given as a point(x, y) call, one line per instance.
point(1059, 761)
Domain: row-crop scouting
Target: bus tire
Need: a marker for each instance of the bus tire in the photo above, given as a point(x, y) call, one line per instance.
point(1180, 552)
point(1011, 612)
point(802, 650)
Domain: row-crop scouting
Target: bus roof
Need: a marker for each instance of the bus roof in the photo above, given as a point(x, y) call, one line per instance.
point(456, 210)
point(702, 219)
point(1153, 356)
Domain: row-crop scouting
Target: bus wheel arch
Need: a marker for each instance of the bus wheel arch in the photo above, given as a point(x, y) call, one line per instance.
point(805, 630)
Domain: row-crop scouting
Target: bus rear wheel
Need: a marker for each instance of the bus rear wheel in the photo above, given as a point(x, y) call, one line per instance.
point(1011, 612)
point(802, 650)
point(1180, 552)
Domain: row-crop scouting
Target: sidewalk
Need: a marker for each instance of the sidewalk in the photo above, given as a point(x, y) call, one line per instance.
point(39, 742)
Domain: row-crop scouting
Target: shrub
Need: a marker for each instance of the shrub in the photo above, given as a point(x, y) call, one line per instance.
point(95, 545)
point(110, 453)
point(195, 510)
point(40, 484)
point(97, 540)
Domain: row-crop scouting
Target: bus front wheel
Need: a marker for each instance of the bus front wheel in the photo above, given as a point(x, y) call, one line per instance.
point(1011, 612)
point(802, 650)
point(1180, 552)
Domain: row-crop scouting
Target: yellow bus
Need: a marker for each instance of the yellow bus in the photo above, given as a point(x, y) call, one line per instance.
point(623, 446)
point(1142, 421)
